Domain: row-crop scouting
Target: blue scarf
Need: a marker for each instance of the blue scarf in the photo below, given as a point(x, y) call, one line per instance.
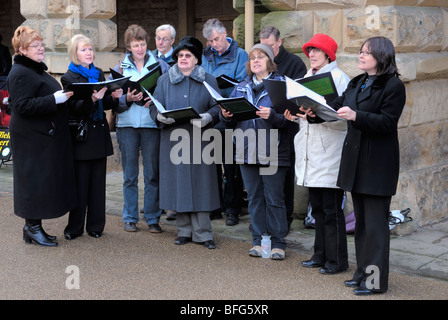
point(93, 75)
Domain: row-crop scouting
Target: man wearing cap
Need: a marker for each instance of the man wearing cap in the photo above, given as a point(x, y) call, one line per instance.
point(223, 56)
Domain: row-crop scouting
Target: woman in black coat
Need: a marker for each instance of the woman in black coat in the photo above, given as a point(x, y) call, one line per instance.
point(90, 154)
point(370, 163)
point(44, 179)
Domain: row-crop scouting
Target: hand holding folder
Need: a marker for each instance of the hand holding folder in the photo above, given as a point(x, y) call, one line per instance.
point(308, 99)
point(241, 108)
point(180, 116)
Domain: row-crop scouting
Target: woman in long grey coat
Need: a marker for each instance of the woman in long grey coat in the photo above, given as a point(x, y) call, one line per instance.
point(188, 187)
point(44, 176)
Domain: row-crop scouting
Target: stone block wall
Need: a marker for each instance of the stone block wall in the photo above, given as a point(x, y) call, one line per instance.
point(59, 20)
point(419, 31)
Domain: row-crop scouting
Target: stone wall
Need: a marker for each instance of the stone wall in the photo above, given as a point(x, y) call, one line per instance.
point(59, 20)
point(419, 31)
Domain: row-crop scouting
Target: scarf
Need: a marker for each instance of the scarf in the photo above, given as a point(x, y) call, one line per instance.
point(93, 75)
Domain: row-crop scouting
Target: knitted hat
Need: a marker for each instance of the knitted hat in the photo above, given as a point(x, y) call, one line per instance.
point(267, 49)
point(324, 43)
point(191, 44)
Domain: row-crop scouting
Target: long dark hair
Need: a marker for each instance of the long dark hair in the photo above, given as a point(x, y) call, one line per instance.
point(383, 51)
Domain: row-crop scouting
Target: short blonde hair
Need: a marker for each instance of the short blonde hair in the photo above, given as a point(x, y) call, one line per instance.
point(76, 42)
point(23, 37)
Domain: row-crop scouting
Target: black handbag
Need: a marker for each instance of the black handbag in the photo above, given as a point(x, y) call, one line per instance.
point(79, 130)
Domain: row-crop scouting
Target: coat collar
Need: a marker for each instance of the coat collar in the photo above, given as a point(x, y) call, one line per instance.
point(27, 62)
point(176, 76)
point(379, 82)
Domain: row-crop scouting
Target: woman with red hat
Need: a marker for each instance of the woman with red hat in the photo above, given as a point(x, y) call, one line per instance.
point(318, 148)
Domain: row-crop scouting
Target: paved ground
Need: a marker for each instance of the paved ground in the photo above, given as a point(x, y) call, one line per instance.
point(141, 265)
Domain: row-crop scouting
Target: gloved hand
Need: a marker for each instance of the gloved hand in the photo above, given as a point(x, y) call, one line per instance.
point(164, 119)
point(206, 118)
point(60, 96)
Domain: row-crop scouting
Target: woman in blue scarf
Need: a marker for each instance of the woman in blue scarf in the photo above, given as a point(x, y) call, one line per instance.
point(91, 153)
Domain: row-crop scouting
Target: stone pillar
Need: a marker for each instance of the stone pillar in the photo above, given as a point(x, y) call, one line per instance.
point(419, 31)
point(59, 20)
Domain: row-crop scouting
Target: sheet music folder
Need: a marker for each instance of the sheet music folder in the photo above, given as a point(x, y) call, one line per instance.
point(225, 82)
point(322, 84)
point(302, 96)
point(148, 81)
point(84, 90)
point(241, 108)
point(181, 116)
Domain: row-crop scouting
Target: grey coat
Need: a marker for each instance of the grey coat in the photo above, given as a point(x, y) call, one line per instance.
point(186, 187)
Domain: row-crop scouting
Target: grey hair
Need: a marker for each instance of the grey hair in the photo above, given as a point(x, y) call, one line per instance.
point(167, 27)
point(213, 24)
point(267, 31)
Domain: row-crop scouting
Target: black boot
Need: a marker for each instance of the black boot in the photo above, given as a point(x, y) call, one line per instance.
point(33, 232)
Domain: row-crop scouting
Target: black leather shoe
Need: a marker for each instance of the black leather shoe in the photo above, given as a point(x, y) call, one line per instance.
point(71, 236)
point(210, 244)
point(310, 264)
point(95, 234)
point(365, 292)
point(155, 228)
point(232, 219)
point(325, 270)
point(182, 240)
point(351, 283)
point(34, 233)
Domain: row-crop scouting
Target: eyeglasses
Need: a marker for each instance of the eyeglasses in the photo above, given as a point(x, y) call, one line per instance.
point(186, 55)
point(163, 39)
point(313, 49)
point(364, 53)
point(38, 46)
point(257, 58)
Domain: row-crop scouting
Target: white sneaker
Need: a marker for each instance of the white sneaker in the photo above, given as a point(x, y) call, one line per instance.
point(277, 254)
point(255, 251)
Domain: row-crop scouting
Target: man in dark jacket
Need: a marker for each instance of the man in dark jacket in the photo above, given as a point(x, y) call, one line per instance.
point(288, 64)
point(292, 66)
point(223, 56)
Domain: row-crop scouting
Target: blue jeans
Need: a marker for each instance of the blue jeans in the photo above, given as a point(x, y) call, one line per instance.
point(267, 207)
point(131, 142)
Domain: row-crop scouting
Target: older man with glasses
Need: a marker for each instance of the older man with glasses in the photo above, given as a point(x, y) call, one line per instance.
point(165, 37)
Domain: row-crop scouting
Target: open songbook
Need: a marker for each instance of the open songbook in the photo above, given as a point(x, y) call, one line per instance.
point(322, 84)
point(84, 90)
point(225, 82)
point(241, 108)
point(148, 81)
point(181, 116)
point(302, 96)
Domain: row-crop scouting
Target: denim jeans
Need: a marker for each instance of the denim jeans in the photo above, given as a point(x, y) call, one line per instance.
point(131, 142)
point(266, 204)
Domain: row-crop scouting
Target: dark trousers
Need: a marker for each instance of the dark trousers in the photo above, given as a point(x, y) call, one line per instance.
point(266, 204)
point(372, 241)
point(289, 188)
point(330, 243)
point(230, 182)
point(91, 186)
